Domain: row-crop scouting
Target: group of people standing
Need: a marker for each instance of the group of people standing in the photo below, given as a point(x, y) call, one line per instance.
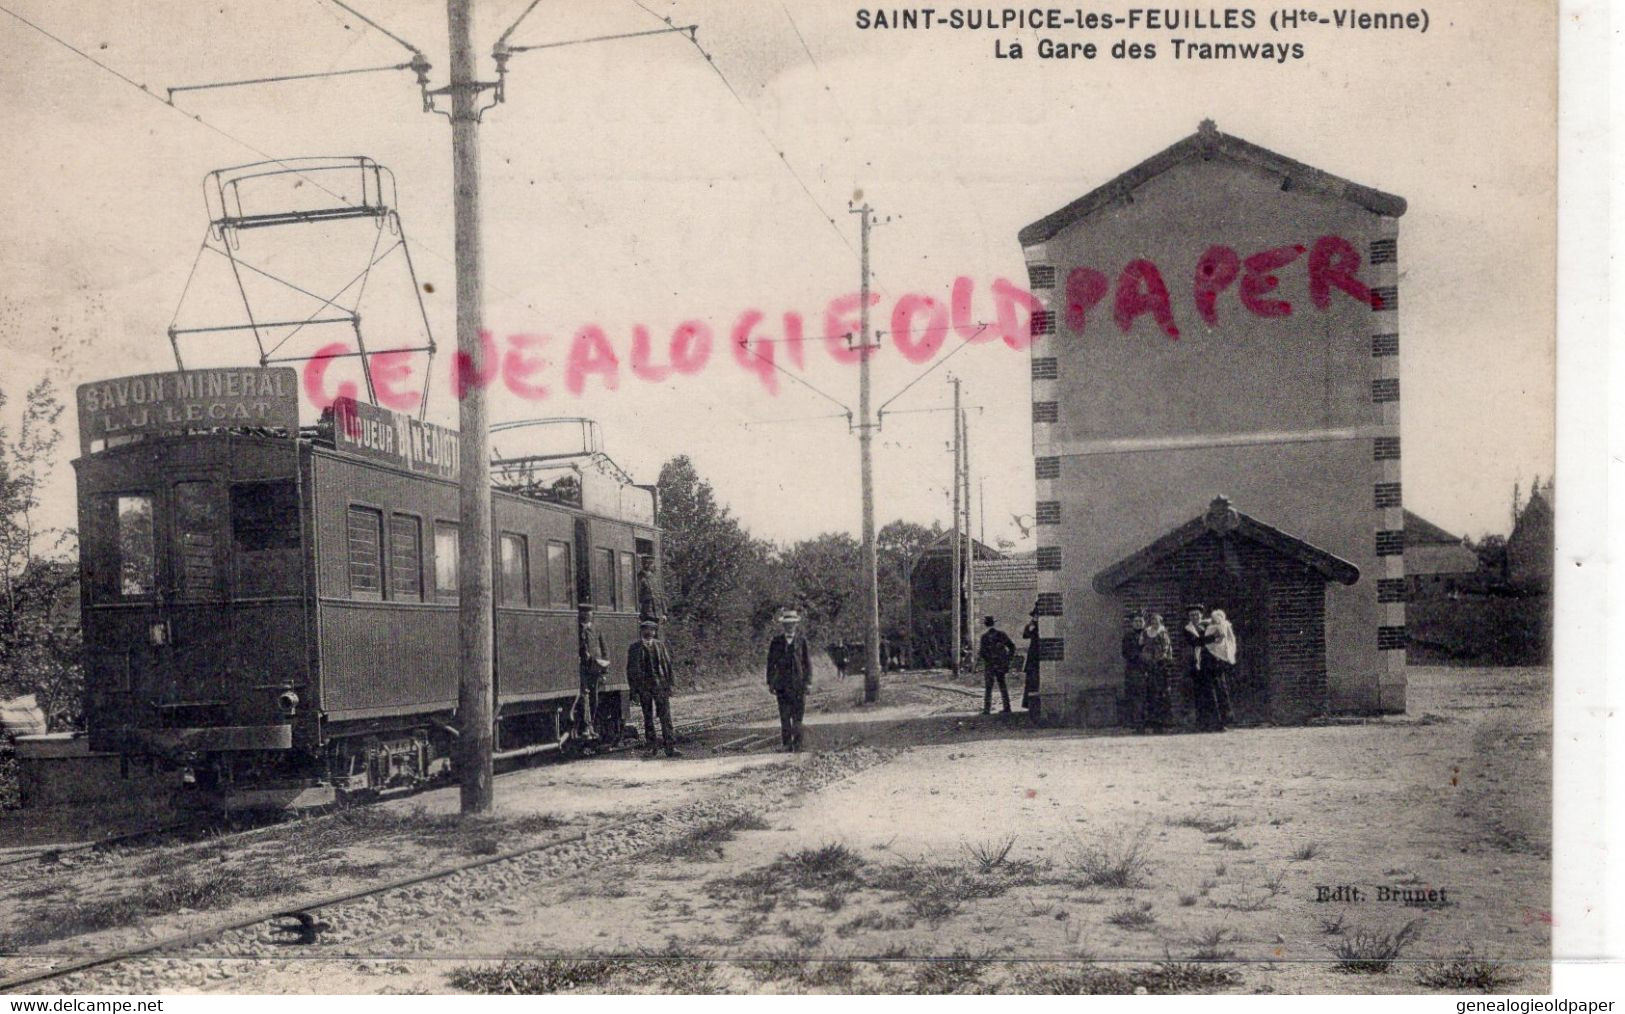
point(996, 652)
point(649, 673)
point(648, 669)
point(1208, 653)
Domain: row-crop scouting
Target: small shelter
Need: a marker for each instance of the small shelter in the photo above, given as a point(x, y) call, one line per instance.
point(1271, 586)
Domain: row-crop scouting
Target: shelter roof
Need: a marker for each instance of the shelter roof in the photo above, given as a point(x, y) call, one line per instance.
point(1225, 521)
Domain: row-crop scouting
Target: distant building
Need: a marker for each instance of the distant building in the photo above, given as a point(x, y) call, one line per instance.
point(1221, 319)
point(931, 596)
point(1532, 546)
point(1005, 590)
point(1436, 562)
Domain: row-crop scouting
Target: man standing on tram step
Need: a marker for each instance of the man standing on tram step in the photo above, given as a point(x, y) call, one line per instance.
point(789, 676)
point(651, 600)
point(594, 667)
point(648, 674)
point(996, 651)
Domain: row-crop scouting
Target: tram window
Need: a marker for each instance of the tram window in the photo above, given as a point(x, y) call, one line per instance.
point(197, 537)
point(265, 537)
point(561, 575)
point(405, 558)
point(628, 583)
point(137, 553)
point(445, 561)
point(603, 577)
point(514, 572)
point(365, 529)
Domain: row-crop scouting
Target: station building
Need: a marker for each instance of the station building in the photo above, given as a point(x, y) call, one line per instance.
point(1216, 420)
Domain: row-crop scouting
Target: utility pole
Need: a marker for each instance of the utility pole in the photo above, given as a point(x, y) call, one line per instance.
point(970, 540)
point(475, 617)
point(871, 570)
point(956, 638)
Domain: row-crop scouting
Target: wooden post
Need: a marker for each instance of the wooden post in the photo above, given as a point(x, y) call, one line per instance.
point(871, 569)
point(956, 637)
point(474, 611)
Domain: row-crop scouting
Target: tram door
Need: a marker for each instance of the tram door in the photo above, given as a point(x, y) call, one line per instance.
point(168, 551)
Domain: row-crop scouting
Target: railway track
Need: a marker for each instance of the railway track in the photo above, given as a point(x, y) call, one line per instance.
point(667, 831)
point(211, 826)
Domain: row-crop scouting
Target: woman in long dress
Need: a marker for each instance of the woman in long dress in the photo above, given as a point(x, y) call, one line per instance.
point(1221, 652)
point(1156, 660)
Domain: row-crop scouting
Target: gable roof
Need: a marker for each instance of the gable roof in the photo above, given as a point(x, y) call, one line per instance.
point(1419, 531)
point(1223, 520)
point(1010, 574)
point(943, 545)
point(1206, 144)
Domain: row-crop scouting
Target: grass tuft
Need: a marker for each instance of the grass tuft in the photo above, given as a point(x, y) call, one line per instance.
point(528, 978)
point(1205, 825)
point(1373, 953)
point(1466, 972)
point(1132, 917)
point(1119, 862)
point(990, 854)
point(959, 973)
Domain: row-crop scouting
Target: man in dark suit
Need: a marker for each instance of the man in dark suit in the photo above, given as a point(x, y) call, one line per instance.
point(996, 651)
point(648, 674)
point(789, 676)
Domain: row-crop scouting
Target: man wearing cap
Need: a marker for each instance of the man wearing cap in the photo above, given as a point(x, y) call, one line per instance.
point(995, 651)
point(594, 667)
point(648, 674)
point(789, 676)
point(651, 601)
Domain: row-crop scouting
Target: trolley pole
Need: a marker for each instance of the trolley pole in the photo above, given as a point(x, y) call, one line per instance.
point(871, 569)
point(475, 616)
point(956, 637)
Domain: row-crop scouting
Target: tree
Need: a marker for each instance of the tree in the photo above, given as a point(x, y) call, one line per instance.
point(1491, 551)
point(39, 595)
point(709, 563)
point(826, 577)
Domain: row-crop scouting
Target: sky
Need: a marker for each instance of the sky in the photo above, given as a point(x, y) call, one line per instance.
point(651, 182)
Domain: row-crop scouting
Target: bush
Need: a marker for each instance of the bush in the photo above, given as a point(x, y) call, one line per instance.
point(1481, 630)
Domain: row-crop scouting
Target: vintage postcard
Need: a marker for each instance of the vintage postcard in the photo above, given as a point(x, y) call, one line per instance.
point(692, 496)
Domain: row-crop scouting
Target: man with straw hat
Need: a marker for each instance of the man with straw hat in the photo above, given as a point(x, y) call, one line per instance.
point(789, 676)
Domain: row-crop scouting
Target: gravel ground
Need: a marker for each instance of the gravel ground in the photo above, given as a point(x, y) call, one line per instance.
point(1161, 864)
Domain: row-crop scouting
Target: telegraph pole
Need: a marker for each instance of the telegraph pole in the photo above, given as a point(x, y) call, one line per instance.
point(970, 540)
point(475, 617)
point(871, 570)
point(956, 638)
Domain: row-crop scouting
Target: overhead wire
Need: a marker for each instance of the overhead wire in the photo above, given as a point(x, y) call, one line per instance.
point(415, 51)
point(756, 122)
point(144, 90)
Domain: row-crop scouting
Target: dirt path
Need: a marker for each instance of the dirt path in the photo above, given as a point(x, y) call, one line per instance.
point(1012, 859)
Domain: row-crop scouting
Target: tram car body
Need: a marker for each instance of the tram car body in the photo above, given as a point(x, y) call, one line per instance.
point(279, 613)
